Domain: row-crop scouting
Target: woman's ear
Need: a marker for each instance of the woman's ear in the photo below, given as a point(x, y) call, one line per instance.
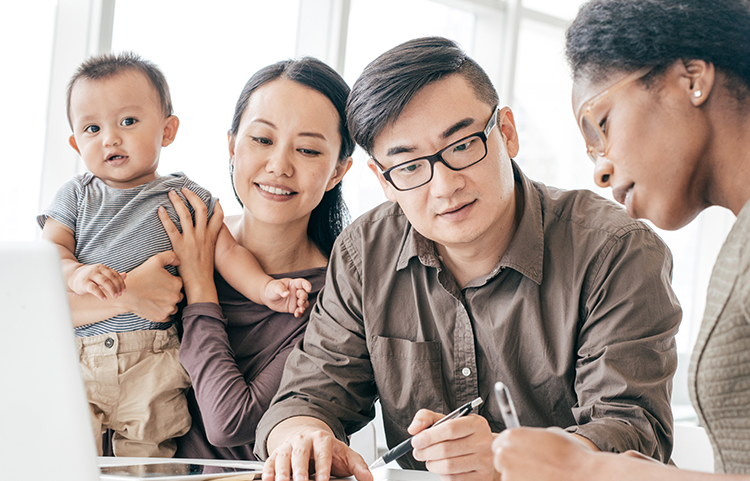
point(231, 142)
point(339, 172)
point(700, 76)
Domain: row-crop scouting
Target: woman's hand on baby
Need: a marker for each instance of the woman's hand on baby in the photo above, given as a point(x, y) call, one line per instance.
point(97, 279)
point(195, 245)
point(288, 295)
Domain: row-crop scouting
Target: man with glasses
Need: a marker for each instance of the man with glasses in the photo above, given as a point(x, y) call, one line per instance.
point(473, 274)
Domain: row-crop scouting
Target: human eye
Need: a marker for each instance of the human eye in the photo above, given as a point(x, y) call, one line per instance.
point(603, 125)
point(309, 152)
point(91, 129)
point(409, 169)
point(464, 145)
point(127, 122)
point(261, 140)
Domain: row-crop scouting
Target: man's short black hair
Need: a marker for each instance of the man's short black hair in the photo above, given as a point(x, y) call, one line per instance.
point(390, 81)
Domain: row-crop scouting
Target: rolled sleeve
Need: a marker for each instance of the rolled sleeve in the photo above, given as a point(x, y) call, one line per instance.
point(626, 349)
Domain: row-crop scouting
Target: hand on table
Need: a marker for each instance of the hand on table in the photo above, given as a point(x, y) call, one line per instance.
point(459, 449)
point(311, 449)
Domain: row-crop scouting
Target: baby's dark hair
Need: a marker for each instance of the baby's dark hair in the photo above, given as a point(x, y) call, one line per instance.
point(611, 36)
point(108, 65)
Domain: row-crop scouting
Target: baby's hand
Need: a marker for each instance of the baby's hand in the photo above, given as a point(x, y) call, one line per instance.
point(288, 295)
point(99, 280)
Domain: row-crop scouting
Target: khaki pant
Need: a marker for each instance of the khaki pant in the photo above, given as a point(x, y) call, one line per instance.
point(135, 386)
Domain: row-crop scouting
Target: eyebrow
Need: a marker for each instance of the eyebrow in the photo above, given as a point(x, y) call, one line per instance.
point(316, 135)
point(461, 124)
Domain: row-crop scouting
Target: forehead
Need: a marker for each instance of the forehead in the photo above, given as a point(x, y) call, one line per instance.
point(289, 104)
point(435, 108)
point(584, 89)
point(126, 88)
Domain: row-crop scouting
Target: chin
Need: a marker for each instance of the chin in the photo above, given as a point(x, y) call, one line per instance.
point(672, 220)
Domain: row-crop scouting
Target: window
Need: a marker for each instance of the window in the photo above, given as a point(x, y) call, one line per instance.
point(23, 101)
point(209, 50)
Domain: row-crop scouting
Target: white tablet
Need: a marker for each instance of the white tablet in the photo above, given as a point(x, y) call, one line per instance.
point(179, 471)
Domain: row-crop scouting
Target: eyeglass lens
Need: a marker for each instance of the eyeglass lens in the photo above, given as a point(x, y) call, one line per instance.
point(458, 156)
point(593, 136)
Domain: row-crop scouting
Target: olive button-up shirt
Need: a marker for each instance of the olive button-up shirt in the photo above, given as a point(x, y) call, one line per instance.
point(578, 320)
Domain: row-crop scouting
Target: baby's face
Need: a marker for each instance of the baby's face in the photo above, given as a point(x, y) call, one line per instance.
point(119, 128)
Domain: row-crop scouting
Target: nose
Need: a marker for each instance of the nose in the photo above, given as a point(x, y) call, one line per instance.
point(445, 182)
point(279, 163)
point(603, 171)
point(111, 138)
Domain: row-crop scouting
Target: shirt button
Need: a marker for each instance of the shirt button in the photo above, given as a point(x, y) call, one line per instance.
point(466, 371)
point(109, 342)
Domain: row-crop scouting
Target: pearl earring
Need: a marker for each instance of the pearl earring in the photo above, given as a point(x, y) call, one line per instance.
point(697, 93)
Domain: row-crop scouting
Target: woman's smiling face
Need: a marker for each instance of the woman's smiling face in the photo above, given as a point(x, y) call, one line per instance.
point(285, 153)
point(657, 139)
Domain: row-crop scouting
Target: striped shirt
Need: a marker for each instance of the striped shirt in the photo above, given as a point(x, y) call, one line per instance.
point(120, 229)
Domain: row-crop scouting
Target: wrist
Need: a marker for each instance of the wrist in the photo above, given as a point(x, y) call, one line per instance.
point(202, 292)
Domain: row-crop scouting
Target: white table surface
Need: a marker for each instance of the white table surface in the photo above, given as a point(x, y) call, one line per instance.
point(381, 474)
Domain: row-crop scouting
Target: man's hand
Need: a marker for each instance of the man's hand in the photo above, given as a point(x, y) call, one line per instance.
point(303, 445)
point(97, 279)
point(459, 449)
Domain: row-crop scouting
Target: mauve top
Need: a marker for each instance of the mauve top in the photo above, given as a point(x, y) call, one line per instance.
point(235, 354)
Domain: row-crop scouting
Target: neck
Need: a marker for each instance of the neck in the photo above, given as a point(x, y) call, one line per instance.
point(469, 261)
point(728, 156)
point(279, 248)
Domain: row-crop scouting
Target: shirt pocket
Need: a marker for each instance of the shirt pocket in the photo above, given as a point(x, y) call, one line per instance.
point(408, 376)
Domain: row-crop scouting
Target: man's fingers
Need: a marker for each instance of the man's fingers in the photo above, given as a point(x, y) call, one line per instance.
point(269, 468)
point(423, 420)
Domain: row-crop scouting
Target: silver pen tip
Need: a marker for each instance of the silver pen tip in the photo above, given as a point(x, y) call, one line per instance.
point(476, 402)
point(378, 463)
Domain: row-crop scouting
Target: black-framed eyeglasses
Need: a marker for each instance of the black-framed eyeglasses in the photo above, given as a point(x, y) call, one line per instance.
point(457, 156)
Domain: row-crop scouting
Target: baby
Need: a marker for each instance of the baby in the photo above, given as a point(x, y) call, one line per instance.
point(105, 224)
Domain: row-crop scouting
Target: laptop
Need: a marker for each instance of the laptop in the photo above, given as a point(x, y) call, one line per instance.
point(45, 430)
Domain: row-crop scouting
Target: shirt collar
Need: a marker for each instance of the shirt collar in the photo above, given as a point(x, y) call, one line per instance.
point(525, 253)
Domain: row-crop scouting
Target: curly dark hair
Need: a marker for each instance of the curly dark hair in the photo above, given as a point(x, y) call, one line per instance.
point(331, 215)
point(611, 36)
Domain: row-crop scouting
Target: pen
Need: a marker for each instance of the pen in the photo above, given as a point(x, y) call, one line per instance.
point(507, 409)
point(405, 446)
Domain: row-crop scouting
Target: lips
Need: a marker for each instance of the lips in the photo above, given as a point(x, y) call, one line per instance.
point(621, 193)
point(116, 159)
point(453, 210)
point(624, 195)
